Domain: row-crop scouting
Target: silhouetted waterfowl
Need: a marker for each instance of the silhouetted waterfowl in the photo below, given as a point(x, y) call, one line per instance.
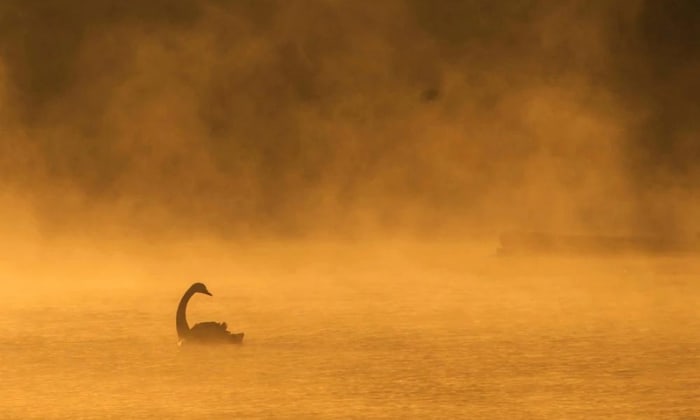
point(204, 332)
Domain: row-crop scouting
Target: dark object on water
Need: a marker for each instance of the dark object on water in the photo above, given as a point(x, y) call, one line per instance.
point(204, 332)
point(533, 243)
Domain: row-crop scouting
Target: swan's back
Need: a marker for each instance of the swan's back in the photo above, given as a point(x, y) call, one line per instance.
point(212, 332)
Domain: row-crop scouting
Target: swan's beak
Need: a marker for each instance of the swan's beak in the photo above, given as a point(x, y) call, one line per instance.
point(206, 292)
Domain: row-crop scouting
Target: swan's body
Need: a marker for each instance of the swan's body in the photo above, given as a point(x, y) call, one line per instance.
point(204, 332)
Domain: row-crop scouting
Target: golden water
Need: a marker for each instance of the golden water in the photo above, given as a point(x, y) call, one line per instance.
point(362, 335)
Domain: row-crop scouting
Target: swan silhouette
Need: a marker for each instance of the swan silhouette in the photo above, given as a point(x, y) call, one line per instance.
point(204, 332)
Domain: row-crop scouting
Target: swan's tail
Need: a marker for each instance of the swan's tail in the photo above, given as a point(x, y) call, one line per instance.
point(237, 337)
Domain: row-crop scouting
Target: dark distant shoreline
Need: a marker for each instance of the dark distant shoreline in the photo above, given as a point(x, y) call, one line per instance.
point(513, 243)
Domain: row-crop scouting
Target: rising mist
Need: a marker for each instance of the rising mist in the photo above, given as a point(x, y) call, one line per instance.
point(278, 118)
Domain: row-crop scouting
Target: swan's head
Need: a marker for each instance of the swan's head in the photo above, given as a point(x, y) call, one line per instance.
point(200, 288)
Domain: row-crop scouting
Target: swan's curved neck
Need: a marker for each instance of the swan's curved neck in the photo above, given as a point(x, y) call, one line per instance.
point(181, 319)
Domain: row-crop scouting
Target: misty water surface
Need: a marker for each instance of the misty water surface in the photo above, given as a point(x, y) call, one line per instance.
point(359, 334)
